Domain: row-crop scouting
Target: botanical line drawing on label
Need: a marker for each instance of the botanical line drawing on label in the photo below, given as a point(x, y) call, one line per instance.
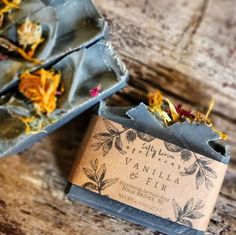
point(106, 140)
point(97, 176)
point(113, 136)
point(188, 212)
point(148, 173)
point(200, 167)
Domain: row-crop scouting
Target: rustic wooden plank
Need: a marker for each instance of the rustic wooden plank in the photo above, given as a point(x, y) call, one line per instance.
point(186, 48)
point(188, 43)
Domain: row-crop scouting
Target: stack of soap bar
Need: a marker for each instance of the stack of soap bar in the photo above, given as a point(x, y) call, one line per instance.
point(140, 163)
point(75, 44)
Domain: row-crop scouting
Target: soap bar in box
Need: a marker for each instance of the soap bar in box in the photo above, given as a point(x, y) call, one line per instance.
point(165, 178)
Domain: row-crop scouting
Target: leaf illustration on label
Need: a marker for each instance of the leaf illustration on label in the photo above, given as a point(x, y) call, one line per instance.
point(98, 177)
point(107, 147)
point(188, 213)
point(90, 174)
point(177, 209)
point(199, 205)
point(101, 172)
point(172, 147)
point(90, 186)
point(94, 164)
point(187, 223)
point(209, 183)
point(102, 136)
point(189, 206)
point(190, 170)
point(199, 178)
point(131, 136)
point(205, 161)
point(209, 172)
point(119, 144)
point(110, 127)
point(106, 140)
point(195, 215)
point(203, 172)
point(97, 146)
point(107, 183)
point(145, 137)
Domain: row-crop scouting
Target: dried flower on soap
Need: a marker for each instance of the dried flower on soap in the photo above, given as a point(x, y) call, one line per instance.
point(9, 48)
point(30, 36)
point(95, 91)
point(6, 7)
point(170, 114)
point(42, 88)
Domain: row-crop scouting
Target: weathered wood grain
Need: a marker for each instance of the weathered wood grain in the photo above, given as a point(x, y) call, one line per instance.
point(186, 48)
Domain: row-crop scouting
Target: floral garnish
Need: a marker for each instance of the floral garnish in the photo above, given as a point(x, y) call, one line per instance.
point(29, 37)
point(170, 114)
point(156, 106)
point(182, 112)
point(8, 6)
point(95, 91)
point(10, 47)
point(41, 87)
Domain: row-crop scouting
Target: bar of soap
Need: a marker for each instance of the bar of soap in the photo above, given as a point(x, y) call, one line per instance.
point(81, 71)
point(198, 138)
point(62, 34)
point(27, 8)
point(183, 142)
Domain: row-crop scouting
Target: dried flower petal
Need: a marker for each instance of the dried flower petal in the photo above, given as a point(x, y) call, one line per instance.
point(11, 47)
point(29, 33)
point(8, 7)
point(29, 37)
point(182, 112)
point(155, 101)
point(41, 88)
point(173, 111)
point(170, 114)
point(95, 91)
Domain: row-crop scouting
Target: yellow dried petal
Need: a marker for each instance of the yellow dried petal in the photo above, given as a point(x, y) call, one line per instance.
point(211, 105)
point(174, 114)
point(41, 88)
point(27, 57)
point(155, 99)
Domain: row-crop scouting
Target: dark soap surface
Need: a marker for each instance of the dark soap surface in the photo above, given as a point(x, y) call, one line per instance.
point(81, 71)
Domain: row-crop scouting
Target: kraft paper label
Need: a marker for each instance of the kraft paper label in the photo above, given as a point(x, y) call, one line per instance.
point(149, 174)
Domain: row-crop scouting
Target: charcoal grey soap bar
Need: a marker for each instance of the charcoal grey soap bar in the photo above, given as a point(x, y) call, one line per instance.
point(186, 141)
point(81, 71)
point(62, 34)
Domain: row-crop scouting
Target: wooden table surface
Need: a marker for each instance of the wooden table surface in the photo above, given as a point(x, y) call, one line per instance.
point(185, 48)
